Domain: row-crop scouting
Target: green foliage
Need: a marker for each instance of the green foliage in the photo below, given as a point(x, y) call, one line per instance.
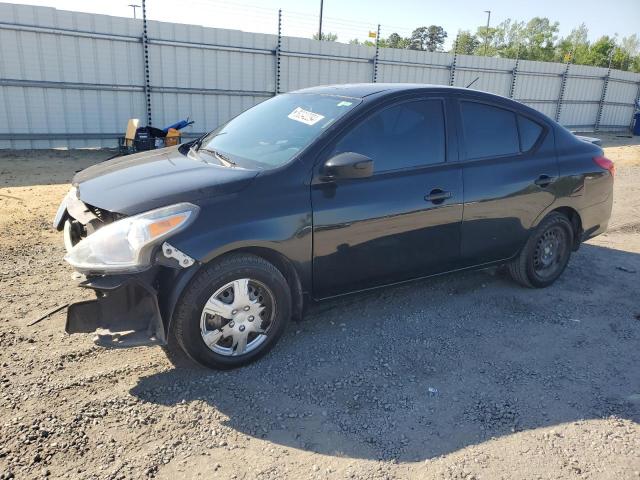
point(601, 51)
point(466, 43)
point(536, 39)
point(429, 38)
point(539, 36)
point(326, 37)
point(396, 41)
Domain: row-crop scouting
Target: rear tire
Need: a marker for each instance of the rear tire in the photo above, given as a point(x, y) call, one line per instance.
point(233, 312)
point(546, 253)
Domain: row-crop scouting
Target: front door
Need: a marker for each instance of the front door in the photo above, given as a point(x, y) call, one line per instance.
point(403, 222)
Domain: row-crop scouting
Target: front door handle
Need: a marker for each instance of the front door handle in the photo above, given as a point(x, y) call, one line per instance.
point(437, 196)
point(544, 180)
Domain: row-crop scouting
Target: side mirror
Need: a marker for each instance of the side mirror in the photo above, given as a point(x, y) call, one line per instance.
point(347, 165)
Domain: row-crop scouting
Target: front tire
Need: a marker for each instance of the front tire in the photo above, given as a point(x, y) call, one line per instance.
point(233, 312)
point(546, 253)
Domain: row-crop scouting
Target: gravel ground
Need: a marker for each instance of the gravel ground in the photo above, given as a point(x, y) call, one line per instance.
point(466, 376)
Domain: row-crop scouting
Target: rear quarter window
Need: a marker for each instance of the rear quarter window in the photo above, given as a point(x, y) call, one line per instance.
point(488, 131)
point(530, 132)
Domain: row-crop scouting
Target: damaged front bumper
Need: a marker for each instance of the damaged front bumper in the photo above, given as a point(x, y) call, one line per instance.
point(132, 308)
point(125, 313)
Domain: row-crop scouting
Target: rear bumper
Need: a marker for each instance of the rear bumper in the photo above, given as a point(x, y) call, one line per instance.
point(595, 218)
point(595, 231)
point(125, 313)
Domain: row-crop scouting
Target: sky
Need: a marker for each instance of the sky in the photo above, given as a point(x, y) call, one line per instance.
point(356, 18)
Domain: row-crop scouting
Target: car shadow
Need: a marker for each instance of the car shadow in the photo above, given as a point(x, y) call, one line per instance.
point(425, 369)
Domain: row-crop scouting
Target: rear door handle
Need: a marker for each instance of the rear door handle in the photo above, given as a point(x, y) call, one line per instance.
point(544, 180)
point(437, 196)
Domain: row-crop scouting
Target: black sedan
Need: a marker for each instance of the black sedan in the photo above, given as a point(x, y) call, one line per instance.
point(318, 193)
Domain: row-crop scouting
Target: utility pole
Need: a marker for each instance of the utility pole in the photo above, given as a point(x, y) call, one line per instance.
point(486, 39)
point(320, 26)
point(134, 10)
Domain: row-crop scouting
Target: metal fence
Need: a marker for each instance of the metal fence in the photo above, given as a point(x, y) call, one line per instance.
point(73, 79)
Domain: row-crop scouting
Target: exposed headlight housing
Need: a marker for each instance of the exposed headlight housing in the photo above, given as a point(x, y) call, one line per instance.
point(126, 245)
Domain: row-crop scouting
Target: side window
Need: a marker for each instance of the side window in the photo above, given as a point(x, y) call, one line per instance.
point(489, 131)
point(410, 134)
point(529, 133)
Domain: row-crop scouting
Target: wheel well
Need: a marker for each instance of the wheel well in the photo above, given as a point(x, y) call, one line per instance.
point(288, 271)
point(576, 222)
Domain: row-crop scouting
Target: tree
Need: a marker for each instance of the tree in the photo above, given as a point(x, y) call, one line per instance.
point(627, 55)
point(418, 38)
point(485, 36)
point(326, 37)
point(631, 45)
point(427, 38)
point(574, 47)
point(508, 39)
point(621, 59)
point(466, 43)
point(435, 38)
point(396, 41)
point(534, 40)
point(579, 35)
point(539, 37)
point(601, 50)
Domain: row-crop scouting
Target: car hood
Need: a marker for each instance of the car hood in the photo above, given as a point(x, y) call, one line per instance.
point(147, 180)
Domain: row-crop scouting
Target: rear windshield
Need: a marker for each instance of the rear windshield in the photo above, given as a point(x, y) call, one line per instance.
point(270, 134)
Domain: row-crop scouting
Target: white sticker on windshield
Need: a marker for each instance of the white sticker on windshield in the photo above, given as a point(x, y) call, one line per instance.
point(344, 104)
point(304, 116)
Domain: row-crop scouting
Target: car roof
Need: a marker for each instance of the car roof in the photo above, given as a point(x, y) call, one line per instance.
point(361, 90)
point(380, 90)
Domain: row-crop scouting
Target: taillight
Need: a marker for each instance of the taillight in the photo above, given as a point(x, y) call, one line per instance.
point(606, 164)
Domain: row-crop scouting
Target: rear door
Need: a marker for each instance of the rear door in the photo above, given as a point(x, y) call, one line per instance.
point(404, 221)
point(510, 171)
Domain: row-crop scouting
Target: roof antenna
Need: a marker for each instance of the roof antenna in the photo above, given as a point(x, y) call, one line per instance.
point(474, 81)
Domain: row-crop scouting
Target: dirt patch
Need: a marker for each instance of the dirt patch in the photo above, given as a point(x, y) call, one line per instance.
point(622, 148)
point(465, 376)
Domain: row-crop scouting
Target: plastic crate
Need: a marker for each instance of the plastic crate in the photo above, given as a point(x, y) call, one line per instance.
point(144, 144)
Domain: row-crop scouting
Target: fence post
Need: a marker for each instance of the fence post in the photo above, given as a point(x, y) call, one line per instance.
point(452, 68)
point(145, 49)
point(278, 48)
point(514, 75)
point(563, 86)
point(375, 59)
point(633, 111)
point(603, 95)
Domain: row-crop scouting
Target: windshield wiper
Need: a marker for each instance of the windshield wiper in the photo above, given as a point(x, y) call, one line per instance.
point(195, 146)
point(222, 158)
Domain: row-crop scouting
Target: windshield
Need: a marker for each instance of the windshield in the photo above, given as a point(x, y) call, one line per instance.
point(271, 133)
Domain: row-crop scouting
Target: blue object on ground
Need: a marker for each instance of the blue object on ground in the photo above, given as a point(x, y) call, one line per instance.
point(636, 127)
point(179, 125)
